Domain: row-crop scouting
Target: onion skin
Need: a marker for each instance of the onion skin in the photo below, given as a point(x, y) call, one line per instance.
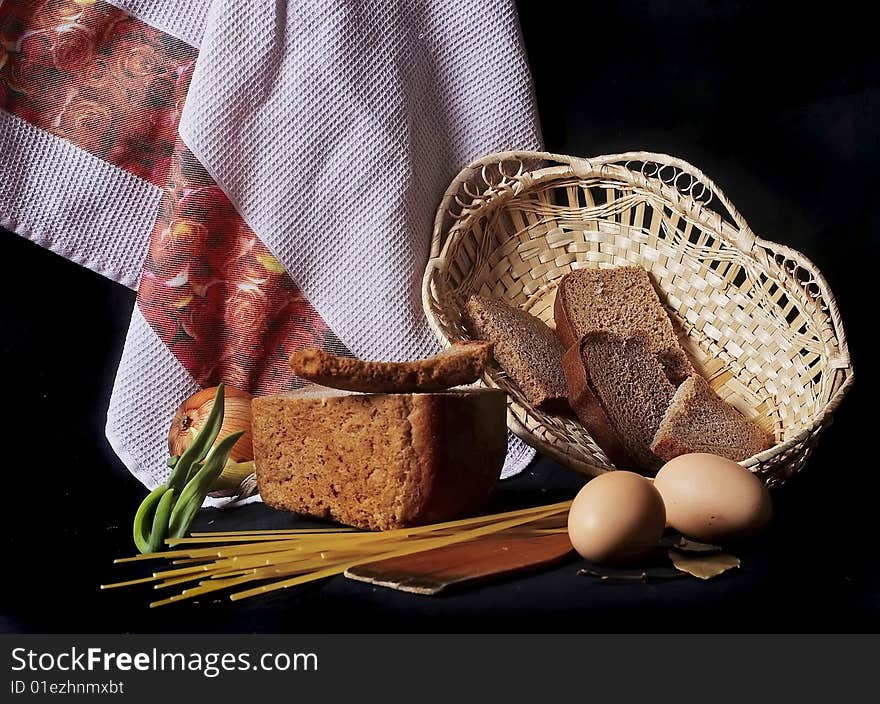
point(193, 412)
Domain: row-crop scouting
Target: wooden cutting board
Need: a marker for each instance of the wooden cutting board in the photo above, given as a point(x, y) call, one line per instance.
point(434, 571)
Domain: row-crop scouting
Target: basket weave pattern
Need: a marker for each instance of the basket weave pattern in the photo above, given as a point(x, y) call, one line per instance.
point(756, 318)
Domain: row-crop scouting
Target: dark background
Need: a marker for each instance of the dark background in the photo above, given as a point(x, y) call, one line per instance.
point(779, 105)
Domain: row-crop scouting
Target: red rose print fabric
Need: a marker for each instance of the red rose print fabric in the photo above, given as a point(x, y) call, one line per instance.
point(87, 72)
point(214, 293)
point(115, 87)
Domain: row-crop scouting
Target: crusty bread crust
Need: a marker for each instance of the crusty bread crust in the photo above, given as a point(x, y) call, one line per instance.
point(564, 328)
point(462, 363)
point(461, 442)
point(589, 409)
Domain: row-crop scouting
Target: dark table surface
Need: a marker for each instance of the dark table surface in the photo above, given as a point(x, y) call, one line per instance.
point(783, 114)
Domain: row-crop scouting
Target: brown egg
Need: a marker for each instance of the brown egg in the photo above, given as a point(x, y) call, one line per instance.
point(712, 498)
point(617, 518)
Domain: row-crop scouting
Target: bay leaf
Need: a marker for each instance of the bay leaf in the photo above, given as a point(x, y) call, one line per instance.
point(703, 565)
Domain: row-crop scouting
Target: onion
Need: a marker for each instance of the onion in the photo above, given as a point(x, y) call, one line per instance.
point(191, 416)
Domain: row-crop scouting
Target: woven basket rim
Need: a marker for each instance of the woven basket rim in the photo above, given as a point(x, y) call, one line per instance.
point(736, 234)
point(593, 166)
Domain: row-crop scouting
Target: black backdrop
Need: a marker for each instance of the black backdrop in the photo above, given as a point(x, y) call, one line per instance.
point(776, 103)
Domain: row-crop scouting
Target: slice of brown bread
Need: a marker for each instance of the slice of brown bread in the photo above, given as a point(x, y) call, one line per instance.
point(585, 402)
point(462, 363)
point(621, 300)
point(525, 347)
point(620, 392)
point(698, 420)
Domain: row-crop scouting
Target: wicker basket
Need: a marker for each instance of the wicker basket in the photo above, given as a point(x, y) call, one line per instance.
point(757, 318)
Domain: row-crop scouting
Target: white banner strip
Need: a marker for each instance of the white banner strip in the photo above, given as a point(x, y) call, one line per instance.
point(75, 204)
point(149, 386)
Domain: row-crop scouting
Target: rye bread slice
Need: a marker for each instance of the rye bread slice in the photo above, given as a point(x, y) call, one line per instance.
point(525, 347)
point(621, 300)
point(620, 392)
point(462, 363)
point(585, 402)
point(698, 420)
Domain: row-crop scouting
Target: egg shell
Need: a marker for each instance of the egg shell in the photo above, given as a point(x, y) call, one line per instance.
point(712, 498)
point(616, 518)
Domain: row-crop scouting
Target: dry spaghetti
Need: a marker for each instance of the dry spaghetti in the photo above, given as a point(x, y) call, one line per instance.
point(269, 560)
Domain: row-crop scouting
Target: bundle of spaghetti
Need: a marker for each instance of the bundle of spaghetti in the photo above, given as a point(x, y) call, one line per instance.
point(279, 559)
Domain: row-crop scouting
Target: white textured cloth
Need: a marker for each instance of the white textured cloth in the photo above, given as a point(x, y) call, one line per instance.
point(73, 203)
point(334, 126)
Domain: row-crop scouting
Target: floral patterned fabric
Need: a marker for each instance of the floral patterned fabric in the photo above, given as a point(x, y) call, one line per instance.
point(88, 73)
point(216, 296)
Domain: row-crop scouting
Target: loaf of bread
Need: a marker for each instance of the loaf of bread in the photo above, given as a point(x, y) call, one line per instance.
point(525, 347)
point(698, 420)
point(620, 392)
point(622, 300)
point(379, 461)
point(462, 363)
